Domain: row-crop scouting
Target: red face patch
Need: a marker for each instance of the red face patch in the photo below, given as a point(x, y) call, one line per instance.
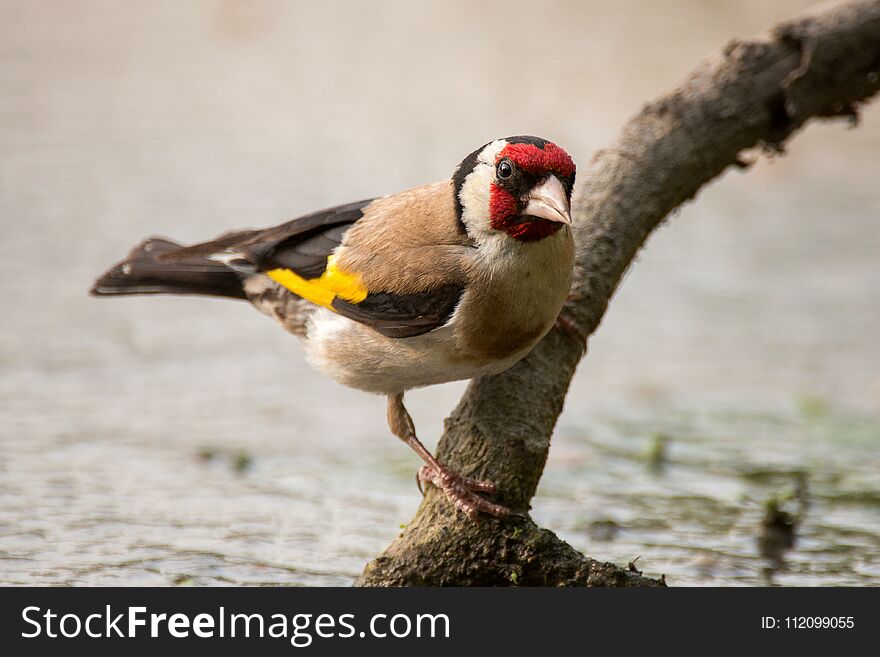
point(504, 207)
point(531, 159)
point(504, 213)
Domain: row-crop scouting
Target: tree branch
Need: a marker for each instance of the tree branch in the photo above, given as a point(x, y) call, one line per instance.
point(754, 93)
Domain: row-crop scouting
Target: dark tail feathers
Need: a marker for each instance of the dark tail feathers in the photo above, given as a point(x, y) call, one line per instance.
point(143, 272)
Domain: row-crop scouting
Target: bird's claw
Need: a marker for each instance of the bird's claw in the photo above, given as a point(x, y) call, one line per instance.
point(461, 491)
point(571, 328)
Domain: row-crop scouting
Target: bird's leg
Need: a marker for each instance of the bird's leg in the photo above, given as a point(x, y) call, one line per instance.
point(569, 326)
point(461, 491)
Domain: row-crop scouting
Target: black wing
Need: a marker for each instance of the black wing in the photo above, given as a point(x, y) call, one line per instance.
point(403, 315)
point(303, 246)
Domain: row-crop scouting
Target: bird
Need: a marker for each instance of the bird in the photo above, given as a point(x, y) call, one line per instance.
point(447, 281)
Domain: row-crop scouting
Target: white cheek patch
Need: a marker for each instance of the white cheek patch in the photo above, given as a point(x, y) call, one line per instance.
point(474, 194)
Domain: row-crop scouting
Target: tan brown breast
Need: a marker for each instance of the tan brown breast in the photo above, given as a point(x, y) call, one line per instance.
point(514, 300)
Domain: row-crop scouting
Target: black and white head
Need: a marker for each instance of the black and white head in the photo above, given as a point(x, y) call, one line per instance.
point(518, 187)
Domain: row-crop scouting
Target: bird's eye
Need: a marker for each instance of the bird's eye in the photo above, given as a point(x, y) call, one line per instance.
point(505, 169)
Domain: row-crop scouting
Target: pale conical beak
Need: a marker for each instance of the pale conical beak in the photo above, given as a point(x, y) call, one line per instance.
point(549, 201)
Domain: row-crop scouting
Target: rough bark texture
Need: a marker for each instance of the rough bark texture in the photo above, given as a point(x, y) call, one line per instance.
point(755, 93)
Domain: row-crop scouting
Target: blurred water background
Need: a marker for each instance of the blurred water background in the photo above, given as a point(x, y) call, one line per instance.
point(173, 440)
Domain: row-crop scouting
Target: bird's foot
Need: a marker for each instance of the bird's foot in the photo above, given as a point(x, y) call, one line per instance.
point(571, 328)
point(462, 491)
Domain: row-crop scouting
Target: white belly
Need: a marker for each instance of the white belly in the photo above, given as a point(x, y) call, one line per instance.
point(357, 356)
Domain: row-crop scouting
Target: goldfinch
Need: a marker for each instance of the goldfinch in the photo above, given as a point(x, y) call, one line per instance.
point(444, 282)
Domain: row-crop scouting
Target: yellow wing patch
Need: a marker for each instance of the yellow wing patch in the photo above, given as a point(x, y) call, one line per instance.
point(321, 291)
